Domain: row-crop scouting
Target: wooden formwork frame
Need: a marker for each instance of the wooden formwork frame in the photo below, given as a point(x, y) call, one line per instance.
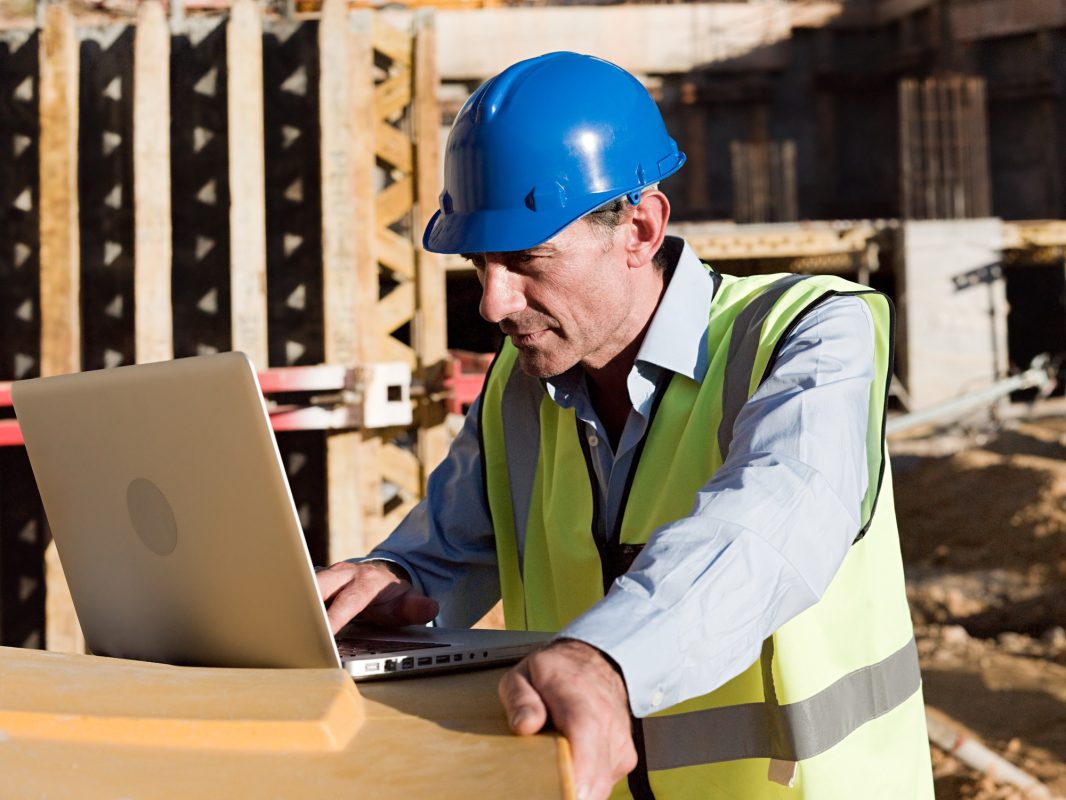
point(379, 119)
point(944, 159)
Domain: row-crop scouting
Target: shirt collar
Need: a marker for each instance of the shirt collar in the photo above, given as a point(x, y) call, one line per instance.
point(677, 337)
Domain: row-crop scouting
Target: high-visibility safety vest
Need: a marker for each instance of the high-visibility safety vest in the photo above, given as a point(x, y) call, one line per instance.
point(833, 705)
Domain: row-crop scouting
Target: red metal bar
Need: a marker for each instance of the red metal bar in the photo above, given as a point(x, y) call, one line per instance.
point(313, 418)
point(465, 382)
point(466, 378)
point(318, 378)
point(10, 434)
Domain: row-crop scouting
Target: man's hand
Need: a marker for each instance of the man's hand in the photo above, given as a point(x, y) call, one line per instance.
point(575, 685)
point(373, 592)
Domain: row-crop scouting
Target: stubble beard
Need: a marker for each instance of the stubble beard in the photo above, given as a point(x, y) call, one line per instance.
point(540, 359)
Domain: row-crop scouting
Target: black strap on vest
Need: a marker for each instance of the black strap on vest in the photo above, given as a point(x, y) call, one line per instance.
point(615, 560)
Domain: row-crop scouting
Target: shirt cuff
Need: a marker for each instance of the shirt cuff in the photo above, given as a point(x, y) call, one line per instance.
point(609, 626)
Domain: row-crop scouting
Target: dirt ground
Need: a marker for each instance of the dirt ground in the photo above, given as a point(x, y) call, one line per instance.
point(982, 514)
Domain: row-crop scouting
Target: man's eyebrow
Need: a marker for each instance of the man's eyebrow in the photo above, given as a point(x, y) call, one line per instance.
point(547, 248)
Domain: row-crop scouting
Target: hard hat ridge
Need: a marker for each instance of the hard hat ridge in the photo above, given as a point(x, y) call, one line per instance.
point(540, 145)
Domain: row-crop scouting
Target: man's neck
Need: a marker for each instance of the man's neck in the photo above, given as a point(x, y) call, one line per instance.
point(608, 385)
point(609, 390)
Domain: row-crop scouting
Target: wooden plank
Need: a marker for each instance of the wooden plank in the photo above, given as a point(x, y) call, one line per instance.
point(931, 172)
point(738, 171)
point(980, 151)
point(402, 468)
point(62, 632)
point(396, 253)
point(392, 96)
point(347, 155)
point(394, 146)
point(697, 180)
point(364, 102)
point(338, 121)
point(430, 334)
point(395, 201)
point(905, 166)
point(789, 187)
point(60, 312)
point(392, 42)
point(964, 198)
point(389, 348)
point(365, 475)
point(153, 323)
point(247, 180)
point(59, 263)
point(397, 308)
point(396, 515)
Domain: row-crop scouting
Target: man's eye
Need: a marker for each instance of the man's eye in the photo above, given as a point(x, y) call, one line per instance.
point(525, 259)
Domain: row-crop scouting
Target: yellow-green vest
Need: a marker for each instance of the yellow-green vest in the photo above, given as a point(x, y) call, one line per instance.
point(834, 702)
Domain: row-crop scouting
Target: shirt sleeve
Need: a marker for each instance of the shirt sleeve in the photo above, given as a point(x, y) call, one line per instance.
point(446, 542)
point(764, 537)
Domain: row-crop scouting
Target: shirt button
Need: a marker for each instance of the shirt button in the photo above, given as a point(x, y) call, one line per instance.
point(657, 698)
point(593, 440)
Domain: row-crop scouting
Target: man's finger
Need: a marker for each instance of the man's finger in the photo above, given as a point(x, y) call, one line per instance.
point(332, 579)
point(526, 712)
point(349, 602)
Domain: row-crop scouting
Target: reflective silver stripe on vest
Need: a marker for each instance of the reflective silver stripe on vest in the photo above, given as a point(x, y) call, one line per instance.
point(790, 732)
point(743, 349)
point(520, 407)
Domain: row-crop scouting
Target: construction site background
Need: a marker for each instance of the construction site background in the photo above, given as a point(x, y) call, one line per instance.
point(915, 145)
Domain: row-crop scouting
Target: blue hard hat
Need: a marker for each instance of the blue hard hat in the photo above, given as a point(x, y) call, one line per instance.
point(542, 144)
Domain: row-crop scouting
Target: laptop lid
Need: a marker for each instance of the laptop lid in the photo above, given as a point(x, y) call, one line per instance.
point(174, 522)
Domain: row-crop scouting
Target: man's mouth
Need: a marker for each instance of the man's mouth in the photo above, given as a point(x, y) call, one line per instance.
point(526, 339)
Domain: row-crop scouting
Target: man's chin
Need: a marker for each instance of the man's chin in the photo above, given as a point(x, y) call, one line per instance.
point(541, 365)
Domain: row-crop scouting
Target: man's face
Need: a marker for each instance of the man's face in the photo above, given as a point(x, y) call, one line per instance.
point(564, 302)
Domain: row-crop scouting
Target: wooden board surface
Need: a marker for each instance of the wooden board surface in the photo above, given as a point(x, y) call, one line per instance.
point(443, 737)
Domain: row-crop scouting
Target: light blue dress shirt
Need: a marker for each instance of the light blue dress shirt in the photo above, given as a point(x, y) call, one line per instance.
point(763, 539)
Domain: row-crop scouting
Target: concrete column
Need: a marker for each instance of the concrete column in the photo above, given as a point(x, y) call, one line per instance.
point(952, 332)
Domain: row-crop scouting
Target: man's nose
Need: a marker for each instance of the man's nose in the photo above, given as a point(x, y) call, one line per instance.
point(501, 293)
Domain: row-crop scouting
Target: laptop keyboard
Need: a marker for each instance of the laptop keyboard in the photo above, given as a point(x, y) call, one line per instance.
point(358, 646)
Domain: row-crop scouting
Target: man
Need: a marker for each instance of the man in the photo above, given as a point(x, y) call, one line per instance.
point(676, 470)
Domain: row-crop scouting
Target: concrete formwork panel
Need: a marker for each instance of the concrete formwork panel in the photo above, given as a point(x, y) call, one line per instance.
point(952, 333)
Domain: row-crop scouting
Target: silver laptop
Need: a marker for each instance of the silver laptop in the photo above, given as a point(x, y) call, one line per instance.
point(176, 528)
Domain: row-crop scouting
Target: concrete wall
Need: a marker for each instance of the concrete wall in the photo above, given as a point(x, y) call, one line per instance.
point(952, 332)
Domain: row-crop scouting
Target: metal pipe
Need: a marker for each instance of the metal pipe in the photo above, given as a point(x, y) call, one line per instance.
point(970, 751)
point(1038, 375)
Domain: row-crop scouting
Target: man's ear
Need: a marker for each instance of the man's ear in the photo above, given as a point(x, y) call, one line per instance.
point(646, 228)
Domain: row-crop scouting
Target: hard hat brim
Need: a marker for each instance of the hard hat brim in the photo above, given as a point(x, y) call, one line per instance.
point(511, 229)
